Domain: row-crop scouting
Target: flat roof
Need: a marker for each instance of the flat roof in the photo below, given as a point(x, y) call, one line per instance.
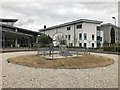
point(8, 20)
point(110, 24)
point(72, 22)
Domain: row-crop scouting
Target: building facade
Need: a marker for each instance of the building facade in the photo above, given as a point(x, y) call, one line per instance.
point(111, 33)
point(16, 37)
point(80, 33)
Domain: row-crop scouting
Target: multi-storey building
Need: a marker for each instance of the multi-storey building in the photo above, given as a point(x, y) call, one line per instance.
point(79, 33)
point(16, 37)
point(111, 33)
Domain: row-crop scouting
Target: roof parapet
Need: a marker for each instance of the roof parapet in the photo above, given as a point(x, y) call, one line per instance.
point(72, 22)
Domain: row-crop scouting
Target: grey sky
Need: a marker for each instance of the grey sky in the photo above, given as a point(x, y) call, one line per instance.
point(34, 15)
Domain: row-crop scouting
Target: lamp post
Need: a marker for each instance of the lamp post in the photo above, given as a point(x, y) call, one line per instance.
point(115, 24)
point(114, 19)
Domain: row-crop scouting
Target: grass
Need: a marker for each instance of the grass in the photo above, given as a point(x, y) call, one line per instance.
point(87, 61)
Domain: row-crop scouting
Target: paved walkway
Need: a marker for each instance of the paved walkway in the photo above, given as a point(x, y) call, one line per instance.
point(16, 76)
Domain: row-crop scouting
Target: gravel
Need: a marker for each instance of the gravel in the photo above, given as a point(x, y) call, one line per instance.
point(16, 76)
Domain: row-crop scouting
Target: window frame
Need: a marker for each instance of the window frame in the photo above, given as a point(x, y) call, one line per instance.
point(78, 26)
point(80, 44)
point(80, 34)
point(69, 36)
point(93, 37)
point(85, 36)
point(68, 28)
point(85, 45)
point(93, 45)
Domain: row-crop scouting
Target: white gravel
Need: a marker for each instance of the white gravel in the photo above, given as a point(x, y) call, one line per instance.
point(16, 76)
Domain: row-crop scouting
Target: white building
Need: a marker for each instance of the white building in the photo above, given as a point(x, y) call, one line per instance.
point(79, 33)
point(107, 29)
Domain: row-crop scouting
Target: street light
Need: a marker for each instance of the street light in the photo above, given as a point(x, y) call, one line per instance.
point(115, 19)
point(115, 24)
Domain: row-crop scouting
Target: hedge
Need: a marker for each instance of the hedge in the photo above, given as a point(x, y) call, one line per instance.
point(112, 48)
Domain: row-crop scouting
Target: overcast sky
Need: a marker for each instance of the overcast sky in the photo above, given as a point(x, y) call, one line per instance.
point(34, 15)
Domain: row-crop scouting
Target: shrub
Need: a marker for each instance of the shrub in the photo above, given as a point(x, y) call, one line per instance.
point(113, 48)
point(44, 40)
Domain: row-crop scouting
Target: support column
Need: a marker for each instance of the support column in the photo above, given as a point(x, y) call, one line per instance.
point(36, 40)
point(3, 45)
point(29, 42)
point(16, 42)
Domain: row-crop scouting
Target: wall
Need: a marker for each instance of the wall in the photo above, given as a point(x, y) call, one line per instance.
point(107, 32)
point(88, 28)
point(106, 35)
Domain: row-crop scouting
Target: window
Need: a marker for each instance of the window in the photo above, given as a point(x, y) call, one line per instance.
point(68, 37)
point(85, 36)
point(80, 36)
point(65, 36)
point(85, 45)
point(79, 26)
point(98, 33)
point(71, 44)
point(92, 45)
point(68, 28)
point(92, 36)
point(99, 38)
point(80, 44)
point(98, 27)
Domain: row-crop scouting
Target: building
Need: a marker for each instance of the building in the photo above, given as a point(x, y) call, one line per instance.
point(111, 33)
point(16, 37)
point(79, 33)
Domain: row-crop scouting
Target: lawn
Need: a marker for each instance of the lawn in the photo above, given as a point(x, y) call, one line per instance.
point(86, 61)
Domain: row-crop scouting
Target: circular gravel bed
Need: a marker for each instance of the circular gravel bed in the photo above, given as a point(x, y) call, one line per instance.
point(80, 62)
point(19, 76)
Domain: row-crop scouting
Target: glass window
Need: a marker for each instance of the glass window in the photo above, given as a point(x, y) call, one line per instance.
point(65, 36)
point(80, 44)
point(71, 44)
point(98, 27)
point(68, 28)
point(85, 36)
point(85, 45)
point(92, 36)
point(79, 26)
point(98, 33)
point(68, 37)
point(99, 38)
point(80, 36)
point(92, 45)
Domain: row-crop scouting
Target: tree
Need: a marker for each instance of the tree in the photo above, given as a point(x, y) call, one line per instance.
point(45, 39)
point(61, 40)
point(112, 36)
